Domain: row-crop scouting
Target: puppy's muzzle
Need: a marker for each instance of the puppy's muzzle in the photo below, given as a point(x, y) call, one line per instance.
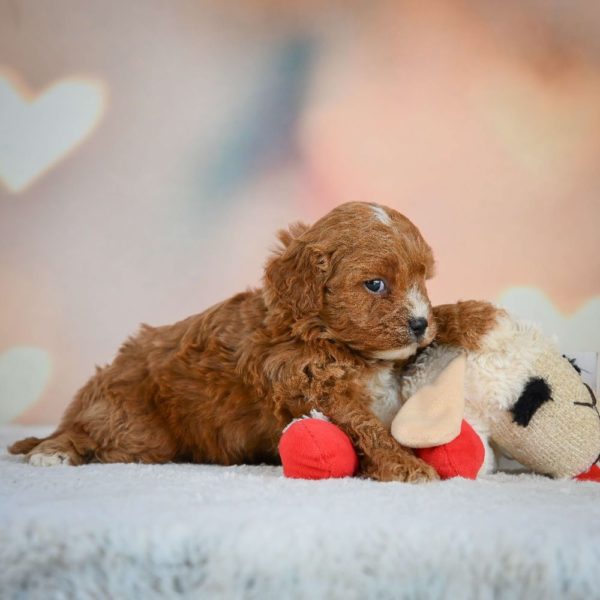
point(417, 327)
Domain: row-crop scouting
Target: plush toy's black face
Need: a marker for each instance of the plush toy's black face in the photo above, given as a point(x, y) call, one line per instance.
point(553, 426)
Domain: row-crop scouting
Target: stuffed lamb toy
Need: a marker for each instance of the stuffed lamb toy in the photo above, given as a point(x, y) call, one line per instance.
point(516, 396)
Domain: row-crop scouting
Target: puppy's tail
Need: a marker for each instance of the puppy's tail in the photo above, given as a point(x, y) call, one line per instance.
point(26, 445)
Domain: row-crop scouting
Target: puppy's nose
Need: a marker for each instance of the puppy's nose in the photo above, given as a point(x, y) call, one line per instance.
point(417, 326)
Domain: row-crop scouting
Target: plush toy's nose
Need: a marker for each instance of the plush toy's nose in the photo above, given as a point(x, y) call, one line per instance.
point(592, 474)
point(594, 401)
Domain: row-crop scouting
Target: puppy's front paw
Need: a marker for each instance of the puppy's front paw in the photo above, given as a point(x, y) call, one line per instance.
point(401, 468)
point(422, 472)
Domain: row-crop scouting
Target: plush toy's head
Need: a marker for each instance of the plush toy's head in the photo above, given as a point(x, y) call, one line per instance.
point(553, 426)
point(536, 407)
point(524, 397)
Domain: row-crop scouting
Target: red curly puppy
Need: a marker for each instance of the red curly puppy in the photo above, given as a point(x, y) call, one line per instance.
point(342, 300)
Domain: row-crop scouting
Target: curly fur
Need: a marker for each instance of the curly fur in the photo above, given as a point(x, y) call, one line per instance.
point(464, 324)
point(220, 386)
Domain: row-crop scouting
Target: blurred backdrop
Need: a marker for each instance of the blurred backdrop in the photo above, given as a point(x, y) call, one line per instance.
point(149, 149)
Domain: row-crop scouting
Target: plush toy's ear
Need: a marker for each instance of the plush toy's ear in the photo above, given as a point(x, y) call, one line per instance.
point(296, 274)
point(433, 415)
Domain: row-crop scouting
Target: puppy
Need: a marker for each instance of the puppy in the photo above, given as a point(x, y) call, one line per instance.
point(342, 301)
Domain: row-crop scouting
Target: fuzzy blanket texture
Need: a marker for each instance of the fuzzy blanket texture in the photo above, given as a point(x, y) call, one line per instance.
point(198, 531)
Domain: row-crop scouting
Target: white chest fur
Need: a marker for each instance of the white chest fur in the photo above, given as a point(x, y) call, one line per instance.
point(385, 397)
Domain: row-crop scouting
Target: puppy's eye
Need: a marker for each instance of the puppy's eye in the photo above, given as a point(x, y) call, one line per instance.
point(377, 286)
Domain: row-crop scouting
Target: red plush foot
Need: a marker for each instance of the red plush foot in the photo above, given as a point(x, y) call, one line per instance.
point(316, 449)
point(592, 474)
point(462, 457)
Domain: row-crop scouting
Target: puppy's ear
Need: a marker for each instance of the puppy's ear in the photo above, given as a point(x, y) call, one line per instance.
point(295, 276)
point(295, 230)
point(429, 263)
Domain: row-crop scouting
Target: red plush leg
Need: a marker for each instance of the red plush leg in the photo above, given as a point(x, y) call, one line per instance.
point(592, 474)
point(462, 457)
point(316, 449)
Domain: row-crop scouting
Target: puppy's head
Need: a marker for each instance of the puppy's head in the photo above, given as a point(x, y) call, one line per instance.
point(357, 276)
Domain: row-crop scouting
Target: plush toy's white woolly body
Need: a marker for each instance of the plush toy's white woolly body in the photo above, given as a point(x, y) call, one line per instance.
point(523, 398)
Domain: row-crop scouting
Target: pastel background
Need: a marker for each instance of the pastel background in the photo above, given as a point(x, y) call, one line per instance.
point(150, 149)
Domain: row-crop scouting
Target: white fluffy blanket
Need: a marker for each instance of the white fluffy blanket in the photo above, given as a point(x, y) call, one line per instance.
point(135, 531)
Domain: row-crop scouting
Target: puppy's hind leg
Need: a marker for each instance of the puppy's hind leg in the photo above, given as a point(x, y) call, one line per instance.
point(25, 446)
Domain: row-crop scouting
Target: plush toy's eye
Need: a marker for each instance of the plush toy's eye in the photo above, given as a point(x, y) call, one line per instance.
point(534, 394)
point(573, 363)
point(377, 286)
